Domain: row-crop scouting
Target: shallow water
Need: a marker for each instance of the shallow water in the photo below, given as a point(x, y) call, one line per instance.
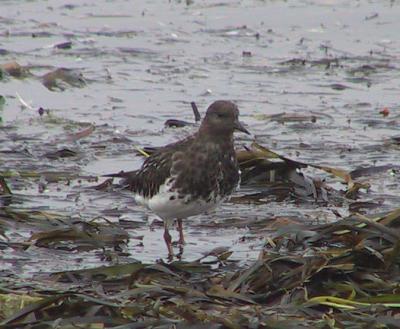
point(332, 66)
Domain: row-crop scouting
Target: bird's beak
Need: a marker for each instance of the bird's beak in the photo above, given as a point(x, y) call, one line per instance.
point(239, 126)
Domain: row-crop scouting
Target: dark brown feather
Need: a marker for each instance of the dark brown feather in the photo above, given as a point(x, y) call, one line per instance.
point(203, 165)
point(200, 167)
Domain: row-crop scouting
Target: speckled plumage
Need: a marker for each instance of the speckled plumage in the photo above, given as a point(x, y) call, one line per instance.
point(193, 167)
point(193, 175)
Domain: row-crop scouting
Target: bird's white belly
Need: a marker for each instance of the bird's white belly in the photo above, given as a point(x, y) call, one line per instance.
point(168, 205)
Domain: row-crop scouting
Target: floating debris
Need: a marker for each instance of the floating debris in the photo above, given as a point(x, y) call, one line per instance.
point(62, 78)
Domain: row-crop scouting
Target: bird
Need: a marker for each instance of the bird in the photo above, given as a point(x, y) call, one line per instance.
point(191, 176)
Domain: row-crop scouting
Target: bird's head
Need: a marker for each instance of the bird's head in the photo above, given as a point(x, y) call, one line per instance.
point(222, 118)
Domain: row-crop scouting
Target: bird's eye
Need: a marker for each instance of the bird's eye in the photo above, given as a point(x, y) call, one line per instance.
point(220, 115)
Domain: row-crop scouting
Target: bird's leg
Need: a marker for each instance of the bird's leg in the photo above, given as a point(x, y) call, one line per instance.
point(180, 253)
point(181, 240)
point(168, 241)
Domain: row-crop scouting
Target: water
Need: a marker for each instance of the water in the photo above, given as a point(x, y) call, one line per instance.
point(144, 62)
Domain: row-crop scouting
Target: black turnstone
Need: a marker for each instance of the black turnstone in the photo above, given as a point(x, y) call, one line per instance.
point(194, 175)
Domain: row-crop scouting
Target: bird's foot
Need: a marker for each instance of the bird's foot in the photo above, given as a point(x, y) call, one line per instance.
point(168, 239)
point(170, 258)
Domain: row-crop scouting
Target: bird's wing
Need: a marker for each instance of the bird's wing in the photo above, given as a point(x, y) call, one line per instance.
point(154, 172)
point(204, 170)
point(156, 169)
